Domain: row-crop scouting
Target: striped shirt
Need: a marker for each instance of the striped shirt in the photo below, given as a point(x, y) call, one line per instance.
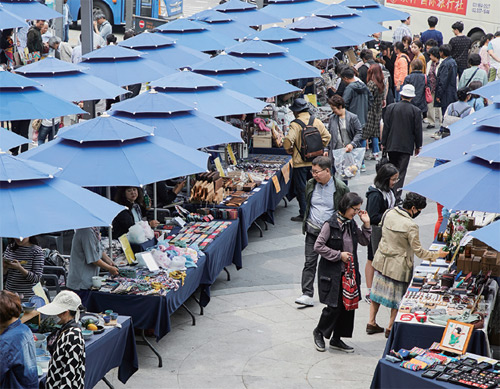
point(31, 258)
point(400, 32)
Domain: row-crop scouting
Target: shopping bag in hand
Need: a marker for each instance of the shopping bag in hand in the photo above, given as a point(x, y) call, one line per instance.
point(350, 291)
point(347, 165)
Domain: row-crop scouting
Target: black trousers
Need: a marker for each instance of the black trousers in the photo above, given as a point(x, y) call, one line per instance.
point(401, 161)
point(20, 127)
point(336, 321)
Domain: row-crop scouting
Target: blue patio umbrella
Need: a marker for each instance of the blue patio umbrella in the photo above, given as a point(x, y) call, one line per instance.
point(95, 162)
point(295, 43)
point(457, 144)
point(222, 23)
point(31, 10)
point(489, 114)
point(9, 20)
point(290, 9)
point(246, 13)
point(489, 235)
point(165, 50)
point(23, 99)
point(351, 19)
point(122, 66)
point(9, 140)
point(243, 76)
point(274, 59)
point(68, 81)
point(489, 152)
point(176, 121)
point(195, 35)
point(491, 91)
point(207, 94)
point(327, 32)
point(375, 11)
point(467, 183)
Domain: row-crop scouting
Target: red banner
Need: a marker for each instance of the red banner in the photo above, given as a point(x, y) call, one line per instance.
point(450, 6)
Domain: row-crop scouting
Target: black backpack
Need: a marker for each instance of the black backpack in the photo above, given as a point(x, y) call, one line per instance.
point(312, 144)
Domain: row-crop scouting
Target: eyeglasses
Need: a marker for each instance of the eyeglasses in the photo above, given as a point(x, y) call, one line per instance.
point(316, 172)
point(395, 180)
point(356, 209)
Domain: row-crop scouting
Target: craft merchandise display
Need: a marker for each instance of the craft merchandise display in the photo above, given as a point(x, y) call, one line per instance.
point(200, 234)
point(468, 370)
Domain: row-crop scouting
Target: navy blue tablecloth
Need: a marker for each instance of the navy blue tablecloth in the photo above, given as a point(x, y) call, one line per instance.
point(147, 312)
point(113, 348)
point(390, 375)
point(407, 336)
point(269, 150)
point(276, 197)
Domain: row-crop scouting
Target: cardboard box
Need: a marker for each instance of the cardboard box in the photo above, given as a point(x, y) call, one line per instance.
point(478, 251)
point(468, 265)
point(262, 141)
point(476, 265)
point(461, 262)
point(490, 258)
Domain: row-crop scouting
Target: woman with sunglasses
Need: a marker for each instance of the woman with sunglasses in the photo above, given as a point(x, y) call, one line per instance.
point(393, 261)
point(337, 243)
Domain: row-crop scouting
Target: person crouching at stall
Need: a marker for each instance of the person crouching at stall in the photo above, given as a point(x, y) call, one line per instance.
point(66, 344)
point(393, 261)
point(339, 279)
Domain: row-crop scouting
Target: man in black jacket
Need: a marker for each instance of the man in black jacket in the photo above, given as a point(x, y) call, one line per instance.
point(402, 134)
point(34, 40)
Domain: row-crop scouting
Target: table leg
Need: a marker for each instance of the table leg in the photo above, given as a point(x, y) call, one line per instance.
point(198, 302)
point(160, 361)
point(228, 274)
point(108, 383)
point(286, 202)
point(259, 227)
point(190, 313)
point(265, 224)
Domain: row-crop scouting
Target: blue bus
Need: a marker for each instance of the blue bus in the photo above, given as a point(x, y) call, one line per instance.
point(114, 10)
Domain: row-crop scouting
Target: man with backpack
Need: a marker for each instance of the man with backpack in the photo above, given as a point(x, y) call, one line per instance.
point(306, 139)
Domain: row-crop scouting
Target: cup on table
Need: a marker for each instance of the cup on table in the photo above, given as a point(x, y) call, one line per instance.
point(108, 312)
point(96, 282)
point(113, 316)
point(107, 319)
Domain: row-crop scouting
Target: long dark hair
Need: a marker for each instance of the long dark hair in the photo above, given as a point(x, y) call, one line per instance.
point(349, 200)
point(375, 74)
point(383, 177)
point(120, 197)
point(14, 246)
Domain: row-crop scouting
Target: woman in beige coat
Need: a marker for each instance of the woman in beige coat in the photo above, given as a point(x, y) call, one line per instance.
point(393, 261)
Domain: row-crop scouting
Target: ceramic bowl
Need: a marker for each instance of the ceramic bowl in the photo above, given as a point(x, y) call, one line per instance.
point(41, 341)
point(87, 334)
point(100, 330)
point(43, 362)
point(28, 307)
point(107, 319)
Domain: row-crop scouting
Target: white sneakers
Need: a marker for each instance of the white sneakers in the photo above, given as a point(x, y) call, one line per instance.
point(305, 300)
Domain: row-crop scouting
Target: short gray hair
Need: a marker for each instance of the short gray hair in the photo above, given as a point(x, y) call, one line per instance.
point(99, 16)
point(53, 40)
point(323, 162)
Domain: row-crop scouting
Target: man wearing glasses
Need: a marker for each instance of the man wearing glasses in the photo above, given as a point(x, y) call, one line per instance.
point(323, 193)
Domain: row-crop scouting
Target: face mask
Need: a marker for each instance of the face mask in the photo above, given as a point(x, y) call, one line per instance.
point(415, 214)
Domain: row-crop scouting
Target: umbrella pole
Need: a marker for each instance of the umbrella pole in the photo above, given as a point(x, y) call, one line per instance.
point(110, 230)
point(155, 201)
point(53, 128)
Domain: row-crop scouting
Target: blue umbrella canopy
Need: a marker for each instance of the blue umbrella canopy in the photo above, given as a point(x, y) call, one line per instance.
point(243, 76)
point(489, 115)
point(68, 81)
point(327, 32)
point(163, 49)
point(207, 94)
point(273, 59)
point(22, 99)
point(9, 20)
point(374, 11)
point(489, 152)
point(246, 13)
point(351, 19)
point(9, 140)
point(222, 23)
point(491, 91)
point(104, 128)
point(195, 35)
point(116, 163)
point(31, 10)
point(176, 121)
point(122, 66)
point(467, 183)
point(290, 9)
point(17, 169)
point(489, 235)
point(457, 144)
point(295, 43)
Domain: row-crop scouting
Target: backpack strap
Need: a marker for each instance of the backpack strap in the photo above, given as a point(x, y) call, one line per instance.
point(311, 120)
point(471, 77)
point(299, 122)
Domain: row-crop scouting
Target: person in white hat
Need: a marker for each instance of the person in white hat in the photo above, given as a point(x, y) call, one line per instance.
point(402, 134)
point(66, 345)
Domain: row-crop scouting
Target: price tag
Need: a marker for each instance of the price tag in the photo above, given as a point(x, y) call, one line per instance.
point(218, 165)
point(231, 154)
point(127, 249)
point(285, 170)
point(276, 184)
